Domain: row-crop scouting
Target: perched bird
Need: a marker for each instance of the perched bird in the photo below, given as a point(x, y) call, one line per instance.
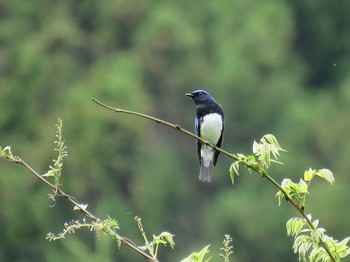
point(209, 124)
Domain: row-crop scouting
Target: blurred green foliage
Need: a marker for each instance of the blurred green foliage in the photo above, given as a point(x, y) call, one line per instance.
point(277, 67)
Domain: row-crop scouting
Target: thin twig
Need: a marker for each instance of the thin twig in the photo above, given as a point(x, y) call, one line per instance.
point(160, 121)
point(58, 191)
point(232, 156)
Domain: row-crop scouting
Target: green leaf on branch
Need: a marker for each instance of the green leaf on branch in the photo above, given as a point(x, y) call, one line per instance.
point(302, 245)
point(198, 256)
point(294, 226)
point(326, 174)
point(296, 191)
point(234, 168)
point(309, 240)
point(267, 151)
point(323, 173)
point(342, 248)
point(163, 238)
point(309, 174)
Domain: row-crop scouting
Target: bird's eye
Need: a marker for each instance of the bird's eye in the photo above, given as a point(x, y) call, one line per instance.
point(200, 93)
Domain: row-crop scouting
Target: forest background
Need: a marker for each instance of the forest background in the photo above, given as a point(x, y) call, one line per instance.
point(279, 67)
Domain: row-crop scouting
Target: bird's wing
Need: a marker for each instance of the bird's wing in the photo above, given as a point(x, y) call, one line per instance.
point(216, 154)
point(219, 143)
point(198, 132)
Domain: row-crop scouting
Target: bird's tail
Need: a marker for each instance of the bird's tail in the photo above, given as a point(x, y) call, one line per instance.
point(205, 172)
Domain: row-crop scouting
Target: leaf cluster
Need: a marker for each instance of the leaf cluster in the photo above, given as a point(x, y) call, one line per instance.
point(299, 191)
point(265, 152)
point(313, 241)
point(307, 241)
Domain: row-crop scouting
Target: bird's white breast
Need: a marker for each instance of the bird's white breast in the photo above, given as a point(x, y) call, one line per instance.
point(211, 127)
point(210, 130)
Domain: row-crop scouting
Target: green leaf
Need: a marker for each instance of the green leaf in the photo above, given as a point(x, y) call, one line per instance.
point(342, 248)
point(303, 187)
point(302, 244)
point(198, 256)
point(315, 223)
point(317, 254)
point(268, 145)
point(49, 173)
point(326, 174)
point(168, 238)
point(294, 226)
point(317, 233)
point(279, 196)
point(234, 170)
point(286, 186)
point(344, 242)
point(273, 140)
point(309, 174)
point(256, 148)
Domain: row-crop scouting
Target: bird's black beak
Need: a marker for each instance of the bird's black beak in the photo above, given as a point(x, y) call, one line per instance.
point(190, 95)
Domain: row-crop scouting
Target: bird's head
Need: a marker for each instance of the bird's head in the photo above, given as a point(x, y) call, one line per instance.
point(201, 97)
